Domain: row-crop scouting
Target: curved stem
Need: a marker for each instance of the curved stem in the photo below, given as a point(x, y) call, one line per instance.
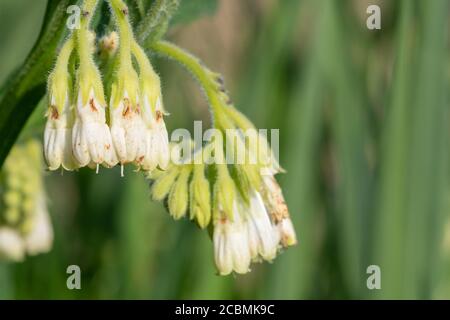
point(204, 76)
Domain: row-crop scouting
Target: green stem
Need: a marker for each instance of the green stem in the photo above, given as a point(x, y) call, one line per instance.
point(125, 32)
point(204, 76)
point(153, 26)
point(145, 66)
point(62, 61)
point(83, 41)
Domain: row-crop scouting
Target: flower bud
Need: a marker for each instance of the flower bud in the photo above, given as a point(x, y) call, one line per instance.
point(178, 196)
point(224, 193)
point(108, 45)
point(200, 198)
point(161, 187)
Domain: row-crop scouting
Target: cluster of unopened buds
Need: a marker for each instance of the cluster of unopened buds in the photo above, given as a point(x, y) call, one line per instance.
point(241, 202)
point(82, 129)
point(25, 226)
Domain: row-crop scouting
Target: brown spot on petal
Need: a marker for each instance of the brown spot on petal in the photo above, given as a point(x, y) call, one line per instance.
point(140, 159)
point(107, 146)
point(159, 115)
point(276, 216)
point(54, 115)
point(92, 105)
point(125, 11)
point(127, 108)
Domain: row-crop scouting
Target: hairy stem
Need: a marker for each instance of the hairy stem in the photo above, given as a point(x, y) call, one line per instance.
point(206, 78)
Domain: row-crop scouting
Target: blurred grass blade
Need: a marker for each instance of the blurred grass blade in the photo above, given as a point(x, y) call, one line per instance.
point(350, 134)
point(291, 277)
point(261, 94)
point(428, 151)
point(389, 236)
point(293, 274)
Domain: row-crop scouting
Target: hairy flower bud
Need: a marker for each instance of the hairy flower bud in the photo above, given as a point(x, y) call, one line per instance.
point(179, 196)
point(200, 198)
point(162, 185)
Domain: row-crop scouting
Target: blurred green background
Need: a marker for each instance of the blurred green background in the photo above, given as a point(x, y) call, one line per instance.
point(364, 139)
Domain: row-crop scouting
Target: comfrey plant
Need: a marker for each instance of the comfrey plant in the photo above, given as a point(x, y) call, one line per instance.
point(105, 108)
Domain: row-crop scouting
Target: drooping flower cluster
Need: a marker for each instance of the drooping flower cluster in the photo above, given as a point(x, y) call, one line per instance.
point(238, 195)
point(25, 226)
point(82, 129)
point(89, 126)
point(250, 223)
point(248, 213)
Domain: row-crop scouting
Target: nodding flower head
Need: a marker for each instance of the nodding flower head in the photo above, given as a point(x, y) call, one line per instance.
point(231, 246)
point(58, 128)
point(127, 127)
point(156, 137)
point(91, 138)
